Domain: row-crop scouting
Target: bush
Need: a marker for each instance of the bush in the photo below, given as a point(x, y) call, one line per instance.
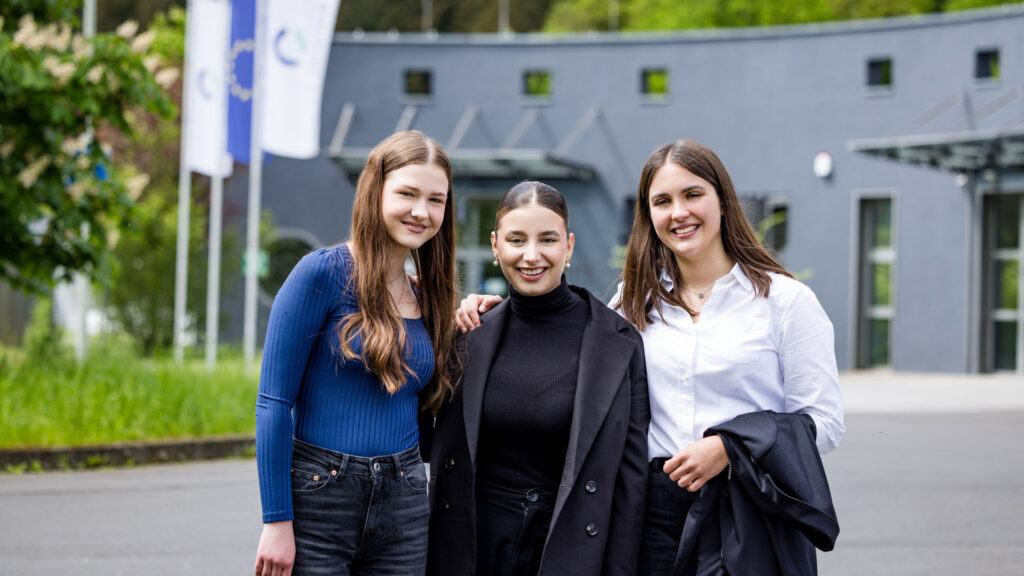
point(116, 396)
point(45, 343)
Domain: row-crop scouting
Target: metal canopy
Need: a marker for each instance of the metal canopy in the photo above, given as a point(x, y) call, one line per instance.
point(513, 163)
point(955, 151)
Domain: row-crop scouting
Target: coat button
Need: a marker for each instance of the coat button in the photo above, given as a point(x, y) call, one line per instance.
point(449, 463)
point(445, 505)
point(591, 486)
point(592, 530)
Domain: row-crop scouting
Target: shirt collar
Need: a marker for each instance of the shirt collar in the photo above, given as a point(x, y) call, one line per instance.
point(736, 273)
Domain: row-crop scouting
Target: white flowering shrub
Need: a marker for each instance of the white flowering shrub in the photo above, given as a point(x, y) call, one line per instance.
point(62, 200)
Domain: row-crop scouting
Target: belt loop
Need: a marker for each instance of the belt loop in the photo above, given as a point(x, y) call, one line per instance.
point(398, 465)
point(344, 465)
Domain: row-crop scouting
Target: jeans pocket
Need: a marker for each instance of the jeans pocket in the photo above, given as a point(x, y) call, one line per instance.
point(310, 476)
point(414, 477)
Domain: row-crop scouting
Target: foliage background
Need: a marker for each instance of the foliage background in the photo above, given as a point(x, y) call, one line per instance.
point(579, 15)
point(62, 203)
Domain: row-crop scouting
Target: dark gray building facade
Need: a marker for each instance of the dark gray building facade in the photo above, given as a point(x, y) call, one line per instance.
point(884, 160)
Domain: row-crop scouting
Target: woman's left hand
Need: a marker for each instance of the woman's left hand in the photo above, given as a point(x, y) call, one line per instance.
point(699, 462)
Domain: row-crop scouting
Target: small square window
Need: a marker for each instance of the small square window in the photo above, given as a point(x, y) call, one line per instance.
point(880, 73)
point(654, 82)
point(418, 83)
point(537, 83)
point(986, 65)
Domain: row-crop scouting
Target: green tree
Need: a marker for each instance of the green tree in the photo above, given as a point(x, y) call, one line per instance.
point(581, 15)
point(60, 203)
point(448, 15)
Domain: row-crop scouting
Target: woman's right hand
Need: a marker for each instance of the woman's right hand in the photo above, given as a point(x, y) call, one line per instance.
point(276, 553)
point(467, 317)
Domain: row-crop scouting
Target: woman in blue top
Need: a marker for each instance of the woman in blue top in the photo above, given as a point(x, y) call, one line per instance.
point(353, 354)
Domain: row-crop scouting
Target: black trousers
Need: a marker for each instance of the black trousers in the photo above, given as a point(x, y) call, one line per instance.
point(664, 517)
point(512, 525)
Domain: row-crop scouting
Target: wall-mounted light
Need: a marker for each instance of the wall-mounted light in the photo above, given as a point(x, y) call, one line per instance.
point(823, 165)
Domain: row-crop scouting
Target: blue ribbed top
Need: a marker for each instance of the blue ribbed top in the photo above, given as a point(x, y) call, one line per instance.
point(309, 390)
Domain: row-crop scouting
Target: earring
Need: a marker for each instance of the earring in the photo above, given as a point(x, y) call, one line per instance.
point(568, 264)
point(495, 263)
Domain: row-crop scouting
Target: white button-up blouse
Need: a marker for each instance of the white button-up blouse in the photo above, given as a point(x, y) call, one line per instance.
point(746, 354)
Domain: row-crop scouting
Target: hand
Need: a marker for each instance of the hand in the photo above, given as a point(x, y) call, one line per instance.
point(699, 462)
point(467, 317)
point(276, 553)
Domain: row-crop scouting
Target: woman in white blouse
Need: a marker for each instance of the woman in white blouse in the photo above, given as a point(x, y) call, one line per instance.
point(726, 331)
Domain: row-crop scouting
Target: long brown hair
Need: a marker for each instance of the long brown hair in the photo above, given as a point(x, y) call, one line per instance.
point(378, 322)
point(646, 256)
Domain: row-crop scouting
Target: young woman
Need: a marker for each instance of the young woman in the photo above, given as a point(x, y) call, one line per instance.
point(353, 354)
point(539, 465)
point(727, 332)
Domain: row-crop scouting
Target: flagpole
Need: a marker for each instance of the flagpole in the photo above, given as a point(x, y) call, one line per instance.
point(213, 272)
point(184, 206)
point(80, 284)
point(216, 217)
point(255, 181)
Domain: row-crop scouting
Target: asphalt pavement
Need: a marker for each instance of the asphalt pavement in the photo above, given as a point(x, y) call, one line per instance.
point(927, 480)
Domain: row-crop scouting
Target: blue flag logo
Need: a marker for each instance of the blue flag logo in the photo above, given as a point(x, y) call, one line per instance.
point(240, 75)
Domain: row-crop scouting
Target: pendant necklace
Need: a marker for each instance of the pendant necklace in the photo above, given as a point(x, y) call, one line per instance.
point(700, 293)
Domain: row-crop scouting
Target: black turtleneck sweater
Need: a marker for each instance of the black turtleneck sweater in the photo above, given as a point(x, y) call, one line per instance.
point(528, 401)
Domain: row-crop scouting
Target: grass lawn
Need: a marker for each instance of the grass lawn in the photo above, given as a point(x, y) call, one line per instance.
point(116, 396)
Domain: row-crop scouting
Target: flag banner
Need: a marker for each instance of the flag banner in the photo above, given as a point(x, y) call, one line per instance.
point(206, 49)
point(298, 42)
point(240, 66)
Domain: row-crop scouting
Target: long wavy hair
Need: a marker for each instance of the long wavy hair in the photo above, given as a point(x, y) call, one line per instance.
point(647, 256)
point(378, 322)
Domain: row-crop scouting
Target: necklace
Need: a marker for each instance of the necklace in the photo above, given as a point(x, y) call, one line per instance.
point(700, 293)
point(401, 295)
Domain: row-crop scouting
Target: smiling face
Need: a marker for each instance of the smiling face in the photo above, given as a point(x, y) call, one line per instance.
point(532, 246)
point(686, 214)
point(412, 204)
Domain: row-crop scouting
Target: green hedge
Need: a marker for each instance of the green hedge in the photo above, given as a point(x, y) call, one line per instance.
point(116, 396)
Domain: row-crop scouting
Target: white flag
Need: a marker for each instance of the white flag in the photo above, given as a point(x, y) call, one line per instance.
point(298, 43)
point(208, 28)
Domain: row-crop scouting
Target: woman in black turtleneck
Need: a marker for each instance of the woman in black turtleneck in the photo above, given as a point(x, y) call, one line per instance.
point(539, 463)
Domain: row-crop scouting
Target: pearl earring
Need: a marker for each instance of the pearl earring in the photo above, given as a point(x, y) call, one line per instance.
point(568, 264)
point(495, 263)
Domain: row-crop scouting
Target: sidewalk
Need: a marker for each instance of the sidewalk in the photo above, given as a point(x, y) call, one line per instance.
point(888, 392)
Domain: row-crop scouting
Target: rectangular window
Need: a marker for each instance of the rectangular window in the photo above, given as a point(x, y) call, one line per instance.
point(880, 73)
point(654, 83)
point(986, 64)
point(1003, 337)
point(418, 83)
point(474, 221)
point(537, 83)
point(877, 299)
point(773, 229)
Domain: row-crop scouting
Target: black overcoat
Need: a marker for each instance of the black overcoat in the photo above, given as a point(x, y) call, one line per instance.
point(769, 511)
point(598, 514)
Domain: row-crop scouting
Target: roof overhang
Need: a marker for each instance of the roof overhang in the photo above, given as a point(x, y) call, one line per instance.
point(512, 163)
point(954, 151)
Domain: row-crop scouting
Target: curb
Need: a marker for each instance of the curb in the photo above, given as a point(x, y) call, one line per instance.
point(126, 453)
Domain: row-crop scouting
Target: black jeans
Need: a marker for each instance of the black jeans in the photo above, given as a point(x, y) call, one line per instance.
point(359, 516)
point(664, 516)
point(511, 527)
